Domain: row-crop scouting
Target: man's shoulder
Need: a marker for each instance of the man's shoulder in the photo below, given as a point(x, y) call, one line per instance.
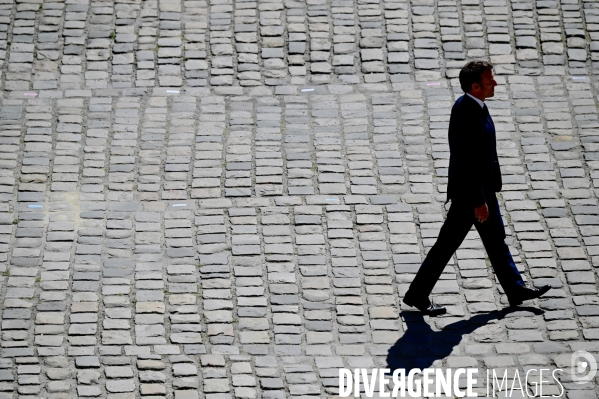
point(463, 103)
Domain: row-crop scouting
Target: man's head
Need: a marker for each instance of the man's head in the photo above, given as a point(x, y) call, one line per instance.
point(476, 79)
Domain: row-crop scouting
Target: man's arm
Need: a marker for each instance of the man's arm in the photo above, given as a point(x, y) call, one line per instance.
point(466, 143)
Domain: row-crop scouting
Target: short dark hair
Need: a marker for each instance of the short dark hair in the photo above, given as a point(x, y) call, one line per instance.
point(471, 73)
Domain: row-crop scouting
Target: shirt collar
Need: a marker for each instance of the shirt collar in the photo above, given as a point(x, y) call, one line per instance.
point(482, 104)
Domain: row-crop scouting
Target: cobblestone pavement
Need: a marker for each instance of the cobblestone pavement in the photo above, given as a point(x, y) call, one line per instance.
point(227, 199)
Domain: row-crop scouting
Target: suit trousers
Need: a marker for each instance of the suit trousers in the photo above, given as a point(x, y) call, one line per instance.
point(460, 219)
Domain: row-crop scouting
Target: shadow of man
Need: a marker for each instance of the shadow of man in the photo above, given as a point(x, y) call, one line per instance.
point(420, 346)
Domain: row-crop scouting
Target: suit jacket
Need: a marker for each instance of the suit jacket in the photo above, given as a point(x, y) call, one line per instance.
point(474, 175)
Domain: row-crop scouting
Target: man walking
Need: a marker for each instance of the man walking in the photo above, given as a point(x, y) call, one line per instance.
point(474, 178)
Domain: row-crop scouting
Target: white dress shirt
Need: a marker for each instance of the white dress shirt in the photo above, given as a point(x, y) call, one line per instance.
point(481, 103)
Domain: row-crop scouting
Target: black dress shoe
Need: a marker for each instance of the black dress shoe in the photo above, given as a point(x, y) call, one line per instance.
point(526, 294)
point(429, 309)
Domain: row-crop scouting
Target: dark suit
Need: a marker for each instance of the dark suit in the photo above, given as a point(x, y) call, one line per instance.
point(474, 178)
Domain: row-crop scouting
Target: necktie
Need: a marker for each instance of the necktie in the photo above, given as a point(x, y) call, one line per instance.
point(486, 111)
point(488, 115)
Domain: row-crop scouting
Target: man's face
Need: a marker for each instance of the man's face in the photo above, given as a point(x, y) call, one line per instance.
point(487, 84)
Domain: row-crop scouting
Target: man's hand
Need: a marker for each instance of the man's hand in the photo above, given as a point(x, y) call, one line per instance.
point(481, 213)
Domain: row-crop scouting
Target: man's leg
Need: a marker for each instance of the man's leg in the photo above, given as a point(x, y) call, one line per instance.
point(459, 221)
point(492, 234)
